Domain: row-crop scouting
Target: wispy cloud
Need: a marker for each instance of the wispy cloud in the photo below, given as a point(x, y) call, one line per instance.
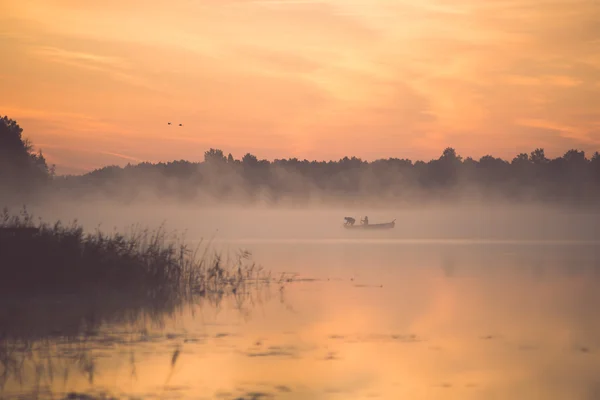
point(276, 2)
point(123, 156)
point(306, 76)
point(113, 67)
point(63, 55)
point(71, 120)
point(565, 131)
point(74, 158)
point(87, 151)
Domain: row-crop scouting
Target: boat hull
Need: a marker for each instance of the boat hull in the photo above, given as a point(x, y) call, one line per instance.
point(387, 225)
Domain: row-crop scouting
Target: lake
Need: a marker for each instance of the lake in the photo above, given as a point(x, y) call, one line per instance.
point(370, 316)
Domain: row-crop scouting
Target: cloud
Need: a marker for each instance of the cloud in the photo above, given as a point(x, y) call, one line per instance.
point(74, 158)
point(264, 59)
point(123, 156)
point(308, 78)
point(61, 120)
point(112, 67)
point(573, 133)
point(275, 2)
point(62, 55)
point(547, 80)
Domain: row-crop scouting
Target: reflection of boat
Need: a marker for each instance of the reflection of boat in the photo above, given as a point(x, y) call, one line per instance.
point(386, 225)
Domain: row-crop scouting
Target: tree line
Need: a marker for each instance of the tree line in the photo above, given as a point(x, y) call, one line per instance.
point(571, 178)
point(22, 170)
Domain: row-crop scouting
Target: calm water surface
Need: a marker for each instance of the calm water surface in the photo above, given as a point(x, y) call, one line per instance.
point(363, 319)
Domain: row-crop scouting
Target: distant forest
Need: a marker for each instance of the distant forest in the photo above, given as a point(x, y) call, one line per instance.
point(572, 178)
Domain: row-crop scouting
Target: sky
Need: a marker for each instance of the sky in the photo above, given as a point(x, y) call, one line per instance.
point(95, 83)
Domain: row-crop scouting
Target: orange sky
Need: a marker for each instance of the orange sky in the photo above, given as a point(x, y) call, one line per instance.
point(95, 84)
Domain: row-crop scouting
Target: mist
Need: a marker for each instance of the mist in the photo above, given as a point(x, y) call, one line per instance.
point(531, 197)
point(491, 268)
point(478, 222)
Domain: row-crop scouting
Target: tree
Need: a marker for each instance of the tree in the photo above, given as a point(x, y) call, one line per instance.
point(13, 148)
point(595, 161)
point(538, 156)
point(40, 162)
point(521, 159)
point(595, 165)
point(449, 156)
point(249, 160)
point(494, 169)
point(445, 169)
point(20, 166)
point(575, 157)
point(215, 156)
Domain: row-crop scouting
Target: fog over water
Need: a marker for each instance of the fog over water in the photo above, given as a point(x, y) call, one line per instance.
point(471, 222)
point(468, 302)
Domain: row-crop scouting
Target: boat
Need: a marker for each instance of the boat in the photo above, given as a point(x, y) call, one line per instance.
point(386, 225)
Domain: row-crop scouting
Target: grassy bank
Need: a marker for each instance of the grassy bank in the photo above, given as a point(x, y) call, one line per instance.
point(62, 289)
point(39, 258)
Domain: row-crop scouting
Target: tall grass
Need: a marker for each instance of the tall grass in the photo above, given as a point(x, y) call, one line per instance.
point(59, 285)
point(64, 259)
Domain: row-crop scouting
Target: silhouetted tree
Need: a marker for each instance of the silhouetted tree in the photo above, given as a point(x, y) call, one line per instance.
point(449, 156)
point(575, 157)
point(570, 178)
point(214, 156)
point(444, 171)
point(572, 174)
point(249, 160)
point(538, 156)
point(595, 166)
point(521, 160)
point(14, 150)
point(21, 169)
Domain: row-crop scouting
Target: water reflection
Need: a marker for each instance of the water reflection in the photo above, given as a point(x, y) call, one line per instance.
point(487, 321)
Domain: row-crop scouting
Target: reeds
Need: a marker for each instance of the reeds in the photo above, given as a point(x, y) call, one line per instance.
point(36, 257)
point(59, 285)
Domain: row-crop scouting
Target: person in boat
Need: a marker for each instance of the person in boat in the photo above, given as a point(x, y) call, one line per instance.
point(365, 221)
point(350, 221)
